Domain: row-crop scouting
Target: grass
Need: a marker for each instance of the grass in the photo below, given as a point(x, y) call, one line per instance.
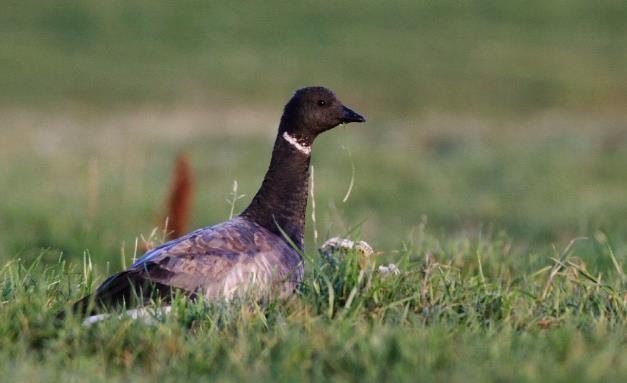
point(460, 309)
point(397, 56)
point(490, 288)
point(543, 181)
point(496, 135)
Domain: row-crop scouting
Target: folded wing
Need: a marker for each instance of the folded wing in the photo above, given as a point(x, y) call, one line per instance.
point(232, 259)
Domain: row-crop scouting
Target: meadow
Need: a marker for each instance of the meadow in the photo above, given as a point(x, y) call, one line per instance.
point(492, 171)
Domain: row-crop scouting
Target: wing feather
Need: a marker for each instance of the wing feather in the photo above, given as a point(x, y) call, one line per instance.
point(221, 261)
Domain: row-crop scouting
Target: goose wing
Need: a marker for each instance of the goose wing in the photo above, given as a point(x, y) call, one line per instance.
point(221, 261)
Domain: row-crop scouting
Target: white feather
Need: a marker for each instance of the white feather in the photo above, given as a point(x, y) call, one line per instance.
point(305, 149)
point(145, 314)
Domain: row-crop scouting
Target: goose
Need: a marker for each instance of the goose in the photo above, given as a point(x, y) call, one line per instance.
point(258, 251)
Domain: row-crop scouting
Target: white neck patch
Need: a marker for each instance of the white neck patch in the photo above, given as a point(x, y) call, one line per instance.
point(305, 149)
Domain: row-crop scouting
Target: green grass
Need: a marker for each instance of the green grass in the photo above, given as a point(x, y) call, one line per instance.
point(483, 56)
point(476, 220)
point(496, 135)
point(97, 183)
point(461, 310)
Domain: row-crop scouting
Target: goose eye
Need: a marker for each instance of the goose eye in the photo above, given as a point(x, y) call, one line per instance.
point(322, 103)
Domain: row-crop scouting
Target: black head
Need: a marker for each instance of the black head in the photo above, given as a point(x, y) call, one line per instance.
point(314, 110)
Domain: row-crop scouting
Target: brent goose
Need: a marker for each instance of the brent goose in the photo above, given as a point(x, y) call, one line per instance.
point(256, 252)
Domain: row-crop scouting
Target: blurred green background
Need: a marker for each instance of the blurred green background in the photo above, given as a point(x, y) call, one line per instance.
point(484, 117)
